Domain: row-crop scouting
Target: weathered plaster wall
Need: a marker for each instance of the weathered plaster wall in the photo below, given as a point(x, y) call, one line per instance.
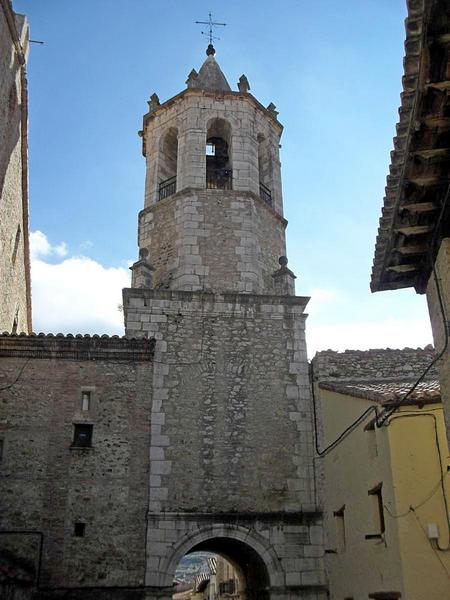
point(14, 260)
point(440, 320)
point(213, 240)
point(48, 485)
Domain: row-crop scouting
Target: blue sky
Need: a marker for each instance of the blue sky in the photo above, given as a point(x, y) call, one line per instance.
point(332, 68)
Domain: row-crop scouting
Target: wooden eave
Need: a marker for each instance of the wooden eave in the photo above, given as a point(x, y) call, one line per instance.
point(415, 213)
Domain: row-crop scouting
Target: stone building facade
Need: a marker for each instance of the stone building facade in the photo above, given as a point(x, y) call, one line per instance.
point(194, 432)
point(231, 444)
point(73, 509)
point(15, 287)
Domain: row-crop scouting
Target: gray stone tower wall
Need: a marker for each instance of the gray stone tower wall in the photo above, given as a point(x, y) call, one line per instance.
point(15, 295)
point(184, 232)
point(231, 446)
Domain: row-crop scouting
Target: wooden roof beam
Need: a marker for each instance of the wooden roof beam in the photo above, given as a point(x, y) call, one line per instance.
point(404, 268)
point(440, 153)
point(440, 86)
point(412, 249)
point(414, 230)
point(419, 207)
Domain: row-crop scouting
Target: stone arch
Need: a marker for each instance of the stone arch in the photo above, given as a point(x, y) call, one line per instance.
point(219, 168)
point(167, 163)
point(251, 555)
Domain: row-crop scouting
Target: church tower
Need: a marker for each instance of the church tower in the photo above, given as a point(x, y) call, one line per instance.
point(231, 448)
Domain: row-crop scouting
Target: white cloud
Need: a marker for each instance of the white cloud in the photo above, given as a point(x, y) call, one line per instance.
point(366, 335)
point(75, 295)
point(320, 297)
point(41, 247)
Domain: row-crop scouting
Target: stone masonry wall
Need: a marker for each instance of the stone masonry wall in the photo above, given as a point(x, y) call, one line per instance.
point(48, 485)
point(369, 365)
point(14, 266)
point(231, 435)
point(213, 240)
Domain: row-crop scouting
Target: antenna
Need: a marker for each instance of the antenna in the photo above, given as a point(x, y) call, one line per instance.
point(211, 24)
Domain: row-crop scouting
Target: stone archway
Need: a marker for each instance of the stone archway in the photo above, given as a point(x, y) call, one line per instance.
point(250, 554)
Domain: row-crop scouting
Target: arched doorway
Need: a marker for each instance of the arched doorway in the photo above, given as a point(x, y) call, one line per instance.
point(254, 563)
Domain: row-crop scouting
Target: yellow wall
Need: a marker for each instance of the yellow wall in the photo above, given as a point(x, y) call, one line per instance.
point(419, 459)
point(438, 320)
point(403, 457)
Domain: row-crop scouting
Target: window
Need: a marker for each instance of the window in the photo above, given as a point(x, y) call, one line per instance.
point(79, 529)
point(385, 595)
point(340, 529)
point(219, 174)
point(82, 436)
point(85, 400)
point(1, 449)
point(377, 512)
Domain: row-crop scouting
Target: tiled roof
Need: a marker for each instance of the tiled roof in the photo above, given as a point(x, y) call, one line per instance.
point(427, 391)
point(383, 375)
point(413, 214)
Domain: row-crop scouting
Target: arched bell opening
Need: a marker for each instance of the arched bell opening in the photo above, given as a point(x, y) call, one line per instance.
point(230, 569)
point(219, 172)
point(167, 164)
point(265, 170)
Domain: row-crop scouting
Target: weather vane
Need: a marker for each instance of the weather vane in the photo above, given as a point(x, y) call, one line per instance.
point(211, 25)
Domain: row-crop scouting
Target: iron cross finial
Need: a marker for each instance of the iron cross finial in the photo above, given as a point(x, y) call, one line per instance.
point(211, 24)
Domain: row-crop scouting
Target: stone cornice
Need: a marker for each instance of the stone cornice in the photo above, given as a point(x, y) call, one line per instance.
point(215, 94)
point(189, 190)
point(231, 298)
point(76, 347)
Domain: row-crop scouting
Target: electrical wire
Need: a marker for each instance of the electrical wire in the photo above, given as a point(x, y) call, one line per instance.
point(16, 380)
point(380, 421)
point(346, 431)
point(444, 320)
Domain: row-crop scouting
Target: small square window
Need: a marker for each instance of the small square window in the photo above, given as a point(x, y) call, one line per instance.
point(210, 149)
point(79, 529)
point(85, 400)
point(82, 436)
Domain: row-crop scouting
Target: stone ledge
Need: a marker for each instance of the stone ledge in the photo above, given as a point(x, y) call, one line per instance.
point(191, 190)
point(304, 517)
point(76, 347)
point(210, 297)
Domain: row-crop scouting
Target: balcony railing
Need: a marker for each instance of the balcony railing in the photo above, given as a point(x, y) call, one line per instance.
point(265, 193)
point(167, 188)
point(219, 179)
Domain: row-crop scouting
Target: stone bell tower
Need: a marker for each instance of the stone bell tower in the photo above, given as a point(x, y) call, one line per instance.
point(231, 447)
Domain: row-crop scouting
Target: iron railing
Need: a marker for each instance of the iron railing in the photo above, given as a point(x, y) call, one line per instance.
point(167, 188)
point(219, 179)
point(265, 193)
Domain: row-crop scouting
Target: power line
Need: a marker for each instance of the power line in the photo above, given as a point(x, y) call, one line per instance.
point(16, 380)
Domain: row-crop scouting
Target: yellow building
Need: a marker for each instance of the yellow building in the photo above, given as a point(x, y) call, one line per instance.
point(386, 489)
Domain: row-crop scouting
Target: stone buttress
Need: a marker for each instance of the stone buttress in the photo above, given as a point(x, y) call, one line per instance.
point(231, 447)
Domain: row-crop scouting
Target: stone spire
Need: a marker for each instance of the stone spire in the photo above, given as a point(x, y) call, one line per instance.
point(210, 76)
